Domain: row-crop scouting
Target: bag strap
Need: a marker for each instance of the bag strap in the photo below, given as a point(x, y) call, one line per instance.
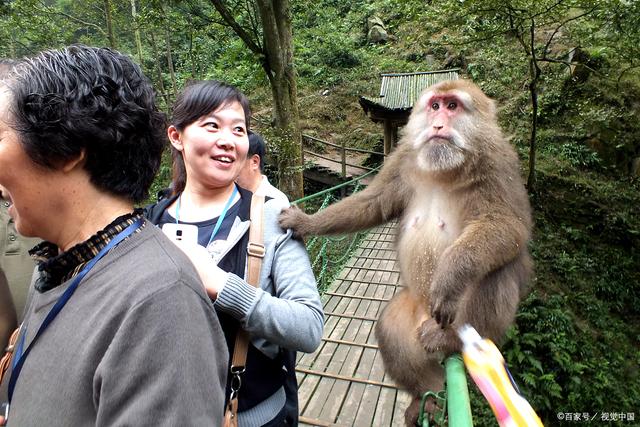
point(255, 252)
point(8, 355)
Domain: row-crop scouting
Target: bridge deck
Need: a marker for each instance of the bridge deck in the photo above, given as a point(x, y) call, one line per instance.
point(343, 383)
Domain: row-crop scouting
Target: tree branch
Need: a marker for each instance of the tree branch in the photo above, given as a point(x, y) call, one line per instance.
point(236, 27)
point(77, 20)
point(562, 24)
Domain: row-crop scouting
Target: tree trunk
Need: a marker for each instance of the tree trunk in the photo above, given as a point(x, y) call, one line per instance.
point(167, 40)
point(278, 65)
point(136, 31)
point(192, 59)
point(533, 89)
point(160, 79)
point(107, 14)
point(172, 72)
point(12, 48)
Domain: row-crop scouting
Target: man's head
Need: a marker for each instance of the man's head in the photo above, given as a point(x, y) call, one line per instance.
point(251, 174)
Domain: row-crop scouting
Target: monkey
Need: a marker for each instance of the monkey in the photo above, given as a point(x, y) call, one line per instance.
point(464, 223)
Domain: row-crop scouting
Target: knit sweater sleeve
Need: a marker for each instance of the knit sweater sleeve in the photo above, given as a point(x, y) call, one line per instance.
point(286, 310)
point(166, 365)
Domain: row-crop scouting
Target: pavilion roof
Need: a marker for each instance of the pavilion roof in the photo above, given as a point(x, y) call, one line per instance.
point(399, 91)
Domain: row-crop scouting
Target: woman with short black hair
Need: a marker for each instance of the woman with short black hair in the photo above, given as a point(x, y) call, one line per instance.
point(283, 314)
point(118, 329)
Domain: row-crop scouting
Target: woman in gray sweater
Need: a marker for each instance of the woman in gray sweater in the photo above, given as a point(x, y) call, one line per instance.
point(118, 329)
point(208, 134)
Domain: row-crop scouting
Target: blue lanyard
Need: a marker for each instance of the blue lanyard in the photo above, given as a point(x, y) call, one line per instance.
point(220, 218)
point(19, 356)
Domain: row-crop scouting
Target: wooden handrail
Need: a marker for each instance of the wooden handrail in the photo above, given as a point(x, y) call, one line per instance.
point(343, 154)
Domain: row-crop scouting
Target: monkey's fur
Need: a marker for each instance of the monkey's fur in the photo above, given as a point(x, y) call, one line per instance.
point(464, 225)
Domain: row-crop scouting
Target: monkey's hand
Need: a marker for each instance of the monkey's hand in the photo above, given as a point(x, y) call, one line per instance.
point(444, 303)
point(293, 218)
point(436, 339)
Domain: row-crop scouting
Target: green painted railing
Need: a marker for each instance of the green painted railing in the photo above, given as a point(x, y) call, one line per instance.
point(459, 409)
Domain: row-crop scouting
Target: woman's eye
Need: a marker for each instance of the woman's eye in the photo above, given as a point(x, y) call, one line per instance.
point(211, 125)
point(239, 129)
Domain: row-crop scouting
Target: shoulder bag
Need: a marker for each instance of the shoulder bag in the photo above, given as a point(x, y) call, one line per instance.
point(255, 252)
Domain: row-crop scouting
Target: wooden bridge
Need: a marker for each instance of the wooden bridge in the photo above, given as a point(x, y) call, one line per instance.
point(337, 163)
point(343, 383)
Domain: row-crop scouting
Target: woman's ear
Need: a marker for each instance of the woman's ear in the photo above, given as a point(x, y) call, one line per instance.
point(175, 137)
point(78, 161)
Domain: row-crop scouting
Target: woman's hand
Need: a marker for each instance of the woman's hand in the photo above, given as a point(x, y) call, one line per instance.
point(212, 276)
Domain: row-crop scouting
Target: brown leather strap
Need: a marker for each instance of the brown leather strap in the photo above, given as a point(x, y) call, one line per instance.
point(231, 414)
point(8, 355)
point(255, 252)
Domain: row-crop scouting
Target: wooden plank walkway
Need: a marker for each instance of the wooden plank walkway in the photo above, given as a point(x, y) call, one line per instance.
point(343, 383)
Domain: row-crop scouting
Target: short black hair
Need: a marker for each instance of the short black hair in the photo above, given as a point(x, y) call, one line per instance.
point(198, 98)
point(95, 100)
point(257, 146)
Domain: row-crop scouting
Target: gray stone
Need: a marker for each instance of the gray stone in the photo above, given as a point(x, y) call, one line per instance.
point(377, 35)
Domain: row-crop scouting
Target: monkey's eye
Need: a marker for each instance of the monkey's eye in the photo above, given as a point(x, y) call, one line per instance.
point(435, 106)
point(452, 105)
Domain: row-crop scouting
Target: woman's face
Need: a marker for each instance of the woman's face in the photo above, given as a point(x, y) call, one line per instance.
point(213, 147)
point(30, 187)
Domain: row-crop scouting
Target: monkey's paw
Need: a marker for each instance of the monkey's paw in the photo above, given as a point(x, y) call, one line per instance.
point(434, 339)
point(293, 218)
point(443, 310)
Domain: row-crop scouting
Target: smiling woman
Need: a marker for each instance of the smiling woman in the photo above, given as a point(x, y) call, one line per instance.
point(283, 314)
point(114, 303)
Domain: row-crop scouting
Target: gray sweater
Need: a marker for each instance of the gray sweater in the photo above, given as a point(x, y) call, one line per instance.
point(138, 344)
point(285, 311)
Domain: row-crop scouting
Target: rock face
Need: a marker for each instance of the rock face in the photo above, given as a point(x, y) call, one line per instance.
point(376, 31)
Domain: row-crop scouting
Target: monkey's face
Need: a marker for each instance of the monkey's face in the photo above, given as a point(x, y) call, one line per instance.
point(440, 128)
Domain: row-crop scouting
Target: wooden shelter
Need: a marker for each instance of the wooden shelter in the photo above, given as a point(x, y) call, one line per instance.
point(398, 93)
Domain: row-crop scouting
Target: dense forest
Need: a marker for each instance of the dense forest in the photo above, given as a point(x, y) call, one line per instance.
point(566, 77)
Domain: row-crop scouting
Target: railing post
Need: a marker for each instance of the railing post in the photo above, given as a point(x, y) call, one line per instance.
point(459, 409)
point(344, 160)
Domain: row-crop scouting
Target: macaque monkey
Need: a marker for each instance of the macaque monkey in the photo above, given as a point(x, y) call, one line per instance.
point(464, 222)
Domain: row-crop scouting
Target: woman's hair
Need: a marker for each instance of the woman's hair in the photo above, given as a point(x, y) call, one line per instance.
point(96, 100)
point(197, 99)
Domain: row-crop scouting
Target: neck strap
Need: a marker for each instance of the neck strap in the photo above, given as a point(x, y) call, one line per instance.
point(19, 356)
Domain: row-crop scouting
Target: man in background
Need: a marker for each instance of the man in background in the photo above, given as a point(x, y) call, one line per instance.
point(14, 249)
point(252, 175)
point(14, 256)
point(7, 313)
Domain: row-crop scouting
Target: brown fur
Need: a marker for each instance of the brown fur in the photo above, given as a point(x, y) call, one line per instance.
point(463, 233)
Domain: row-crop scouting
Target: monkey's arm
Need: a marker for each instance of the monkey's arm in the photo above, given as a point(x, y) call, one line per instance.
point(486, 244)
point(383, 200)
